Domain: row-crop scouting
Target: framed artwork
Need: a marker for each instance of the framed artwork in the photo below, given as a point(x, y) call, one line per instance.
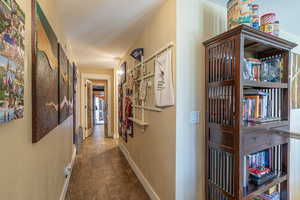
point(122, 73)
point(121, 127)
point(295, 81)
point(71, 88)
point(12, 53)
point(75, 79)
point(44, 75)
point(63, 85)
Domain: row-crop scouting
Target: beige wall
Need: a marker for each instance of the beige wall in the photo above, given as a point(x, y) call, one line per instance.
point(197, 20)
point(110, 73)
point(33, 171)
point(153, 151)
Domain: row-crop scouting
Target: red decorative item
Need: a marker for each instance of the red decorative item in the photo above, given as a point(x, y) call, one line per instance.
point(268, 18)
point(259, 171)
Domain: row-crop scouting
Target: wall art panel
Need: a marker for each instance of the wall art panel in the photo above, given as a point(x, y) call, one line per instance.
point(63, 85)
point(71, 89)
point(44, 76)
point(12, 37)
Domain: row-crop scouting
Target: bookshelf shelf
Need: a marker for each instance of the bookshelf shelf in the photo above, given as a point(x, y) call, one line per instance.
point(261, 84)
point(245, 151)
point(253, 190)
point(252, 127)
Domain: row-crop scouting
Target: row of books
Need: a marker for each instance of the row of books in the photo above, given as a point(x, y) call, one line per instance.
point(260, 159)
point(263, 166)
point(261, 106)
point(267, 70)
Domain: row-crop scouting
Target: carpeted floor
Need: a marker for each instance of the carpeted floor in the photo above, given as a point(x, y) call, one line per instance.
point(101, 172)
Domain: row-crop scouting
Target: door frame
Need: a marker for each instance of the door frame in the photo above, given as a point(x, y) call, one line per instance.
point(103, 77)
point(88, 106)
point(105, 91)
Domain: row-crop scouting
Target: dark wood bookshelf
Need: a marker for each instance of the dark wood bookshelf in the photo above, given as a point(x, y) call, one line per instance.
point(231, 141)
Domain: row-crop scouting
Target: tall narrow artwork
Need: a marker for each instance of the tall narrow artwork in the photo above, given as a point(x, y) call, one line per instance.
point(12, 37)
point(63, 85)
point(71, 89)
point(44, 76)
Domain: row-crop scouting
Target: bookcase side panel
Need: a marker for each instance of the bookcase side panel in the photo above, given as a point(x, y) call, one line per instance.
point(221, 67)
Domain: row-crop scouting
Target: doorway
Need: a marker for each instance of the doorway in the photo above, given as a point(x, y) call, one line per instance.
point(99, 104)
point(98, 80)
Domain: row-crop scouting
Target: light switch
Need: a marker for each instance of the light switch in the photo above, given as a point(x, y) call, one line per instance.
point(195, 117)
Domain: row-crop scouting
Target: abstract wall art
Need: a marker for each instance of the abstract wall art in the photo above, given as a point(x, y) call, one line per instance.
point(12, 38)
point(295, 81)
point(63, 85)
point(71, 89)
point(44, 76)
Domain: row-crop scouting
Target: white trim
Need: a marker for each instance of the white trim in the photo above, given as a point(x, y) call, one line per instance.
point(87, 132)
point(108, 78)
point(149, 189)
point(67, 180)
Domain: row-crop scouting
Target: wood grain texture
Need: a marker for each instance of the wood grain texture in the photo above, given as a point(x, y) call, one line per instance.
point(44, 75)
point(225, 130)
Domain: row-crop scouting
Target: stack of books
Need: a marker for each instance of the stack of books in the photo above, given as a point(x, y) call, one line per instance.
point(266, 70)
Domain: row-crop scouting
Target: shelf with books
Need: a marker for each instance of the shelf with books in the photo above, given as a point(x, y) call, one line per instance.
point(270, 69)
point(253, 190)
point(263, 106)
point(264, 170)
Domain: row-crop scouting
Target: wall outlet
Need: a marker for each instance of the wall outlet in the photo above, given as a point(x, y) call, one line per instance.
point(195, 117)
point(67, 170)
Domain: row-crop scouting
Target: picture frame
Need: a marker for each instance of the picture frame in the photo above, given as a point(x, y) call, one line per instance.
point(45, 70)
point(123, 72)
point(12, 61)
point(295, 81)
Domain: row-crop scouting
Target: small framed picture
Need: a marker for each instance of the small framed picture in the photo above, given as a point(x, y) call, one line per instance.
point(122, 73)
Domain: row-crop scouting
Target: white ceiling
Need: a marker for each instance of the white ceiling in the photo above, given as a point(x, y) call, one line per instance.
point(101, 31)
point(288, 12)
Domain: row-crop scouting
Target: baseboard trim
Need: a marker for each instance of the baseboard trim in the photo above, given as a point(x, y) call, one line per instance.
point(149, 189)
point(67, 180)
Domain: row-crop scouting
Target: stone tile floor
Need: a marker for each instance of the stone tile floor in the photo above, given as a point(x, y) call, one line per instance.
point(101, 172)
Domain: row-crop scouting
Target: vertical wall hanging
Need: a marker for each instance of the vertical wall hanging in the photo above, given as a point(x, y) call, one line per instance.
point(74, 89)
point(44, 75)
point(295, 81)
point(63, 85)
point(71, 89)
point(12, 36)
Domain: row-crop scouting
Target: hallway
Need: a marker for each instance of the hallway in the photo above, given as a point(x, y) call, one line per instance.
point(101, 172)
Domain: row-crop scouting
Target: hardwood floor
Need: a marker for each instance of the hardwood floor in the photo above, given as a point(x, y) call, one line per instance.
point(101, 172)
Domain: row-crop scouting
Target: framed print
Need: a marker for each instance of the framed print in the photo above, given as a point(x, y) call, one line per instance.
point(63, 85)
point(12, 53)
point(122, 73)
point(44, 75)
